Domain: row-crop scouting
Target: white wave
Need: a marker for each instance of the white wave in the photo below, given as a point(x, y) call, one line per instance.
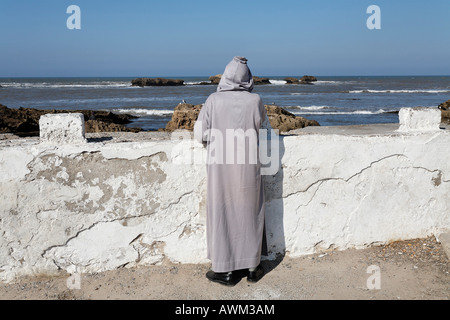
point(43, 85)
point(195, 82)
point(343, 112)
point(113, 100)
point(328, 82)
point(277, 82)
point(399, 91)
point(311, 108)
point(143, 112)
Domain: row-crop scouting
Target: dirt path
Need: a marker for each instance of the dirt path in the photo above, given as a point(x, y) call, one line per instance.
point(416, 269)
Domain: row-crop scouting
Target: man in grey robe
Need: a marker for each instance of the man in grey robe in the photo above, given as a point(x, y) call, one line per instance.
point(228, 125)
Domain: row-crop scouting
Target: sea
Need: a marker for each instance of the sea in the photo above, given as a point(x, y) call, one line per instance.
point(332, 100)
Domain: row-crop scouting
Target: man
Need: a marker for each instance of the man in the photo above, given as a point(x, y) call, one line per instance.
point(228, 125)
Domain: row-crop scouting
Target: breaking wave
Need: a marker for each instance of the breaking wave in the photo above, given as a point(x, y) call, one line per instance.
point(311, 108)
point(399, 91)
point(144, 112)
point(44, 85)
point(380, 111)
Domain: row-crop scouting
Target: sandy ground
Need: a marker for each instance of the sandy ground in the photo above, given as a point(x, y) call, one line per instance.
point(416, 269)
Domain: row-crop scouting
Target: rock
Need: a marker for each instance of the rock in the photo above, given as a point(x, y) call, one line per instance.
point(445, 111)
point(285, 121)
point(256, 80)
point(143, 82)
point(445, 116)
point(185, 115)
point(25, 121)
point(19, 121)
point(259, 80)
point(308, 79)
point(291, 80)
point(102, 126)
point(215, 79)
point(303, 80)
point(444, 105)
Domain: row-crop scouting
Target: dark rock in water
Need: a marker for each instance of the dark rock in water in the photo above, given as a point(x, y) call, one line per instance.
point(215, 79)
point(291, 80)
point(144, 82)
point(259, 80)
point(256, 80)
point(185, 115)
point(303, 80)
point(25, 121)
point(285, 121)
point(103, 126)
point(308, 79)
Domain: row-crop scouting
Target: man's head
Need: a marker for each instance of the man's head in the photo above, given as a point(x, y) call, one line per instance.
point(237, 76)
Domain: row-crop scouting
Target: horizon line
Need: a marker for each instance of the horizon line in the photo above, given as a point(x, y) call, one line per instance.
point(207, 76)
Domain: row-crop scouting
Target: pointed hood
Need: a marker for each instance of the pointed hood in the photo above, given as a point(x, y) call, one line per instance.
point(236, 77)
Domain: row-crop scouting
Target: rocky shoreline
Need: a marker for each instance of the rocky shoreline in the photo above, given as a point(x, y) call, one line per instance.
point(214, 80)
point(185, 115)
point(24, 122)
point(445, 111)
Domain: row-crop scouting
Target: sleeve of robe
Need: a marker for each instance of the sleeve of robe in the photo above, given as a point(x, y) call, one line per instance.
point(202, 125)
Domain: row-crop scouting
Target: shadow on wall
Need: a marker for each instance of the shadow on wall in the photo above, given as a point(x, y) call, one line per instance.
point(273, 193)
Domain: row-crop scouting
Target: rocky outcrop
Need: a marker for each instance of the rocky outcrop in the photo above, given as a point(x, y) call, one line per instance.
point(308, 79)
point(25, 121)
point(185, 115)
point(285, 121)
point(445, 111)
point(291, 80)
point(256, 80)
point(302, 80)
point(144, 82)
point(215, 79)
point(444, 105)
point(445, 116)
point(259, 80)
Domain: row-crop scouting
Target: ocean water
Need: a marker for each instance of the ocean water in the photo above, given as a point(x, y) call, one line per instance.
point(331, 101)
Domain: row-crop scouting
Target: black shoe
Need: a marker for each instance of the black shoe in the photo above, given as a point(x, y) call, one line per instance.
point(224, 278)
point(256, 275)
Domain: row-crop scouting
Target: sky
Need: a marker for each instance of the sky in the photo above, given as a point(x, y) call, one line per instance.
point(197, 38)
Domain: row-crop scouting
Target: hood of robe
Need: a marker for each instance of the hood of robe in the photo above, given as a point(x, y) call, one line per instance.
point(236, 77)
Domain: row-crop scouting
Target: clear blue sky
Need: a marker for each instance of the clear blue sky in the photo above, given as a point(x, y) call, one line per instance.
point(196, 38)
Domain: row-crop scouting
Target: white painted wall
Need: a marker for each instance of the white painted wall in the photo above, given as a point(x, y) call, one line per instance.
point(91, 207)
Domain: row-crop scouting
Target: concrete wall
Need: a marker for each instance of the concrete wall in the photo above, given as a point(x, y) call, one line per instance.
point(96, 206)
